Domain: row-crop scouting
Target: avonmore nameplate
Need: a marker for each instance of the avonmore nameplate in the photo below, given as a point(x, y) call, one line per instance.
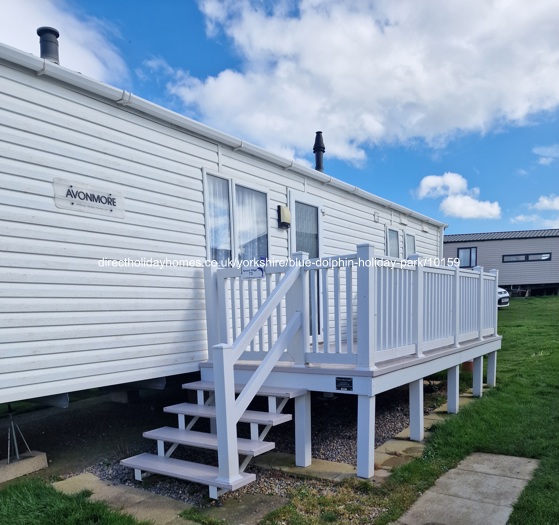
point(79, 197)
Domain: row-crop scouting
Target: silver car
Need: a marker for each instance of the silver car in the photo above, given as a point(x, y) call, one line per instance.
point(503, 297)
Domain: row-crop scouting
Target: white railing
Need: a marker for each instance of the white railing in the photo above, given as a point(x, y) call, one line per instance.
point(359, 313)
point(353, 309)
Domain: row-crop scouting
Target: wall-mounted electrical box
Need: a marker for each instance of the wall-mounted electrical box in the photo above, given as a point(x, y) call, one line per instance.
point(284, 217)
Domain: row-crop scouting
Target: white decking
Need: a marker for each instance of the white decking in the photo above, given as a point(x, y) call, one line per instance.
point(354, 324)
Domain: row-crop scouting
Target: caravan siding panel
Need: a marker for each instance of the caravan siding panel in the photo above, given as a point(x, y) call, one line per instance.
point(490, 256)
point(69, 318)
point(91, 299)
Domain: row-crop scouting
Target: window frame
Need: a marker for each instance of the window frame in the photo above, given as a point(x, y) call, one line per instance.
point(406, 235)
point(387, 246)
point(310, 200)
point(526, 257)
point(467, 248)
point(232, 185)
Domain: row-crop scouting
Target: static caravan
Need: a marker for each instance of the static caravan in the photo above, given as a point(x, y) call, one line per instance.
point(528, 261)
point(110, 207)
point(125, 232)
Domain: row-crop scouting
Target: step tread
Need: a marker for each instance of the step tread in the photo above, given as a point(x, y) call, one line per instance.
point(264, 391)
point(250, 416)
point(246, 447)
point(187, 470)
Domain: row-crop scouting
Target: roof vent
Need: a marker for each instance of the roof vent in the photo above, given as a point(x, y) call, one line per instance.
point(49, 43)
point(318, 151)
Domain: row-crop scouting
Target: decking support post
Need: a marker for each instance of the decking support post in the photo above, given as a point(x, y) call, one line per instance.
point(297, 300)
point(226, 418)
point(453, 391)
point(417, 429)
point(366, 319)
point(212, 323)
point(303, 457)
point(479, 269)
point(477, 390)
point(366, 436)
point(492, 369)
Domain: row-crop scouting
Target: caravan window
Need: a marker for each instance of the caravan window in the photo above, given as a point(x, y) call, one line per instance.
point(468, 257)
point(239, 213)
point(392, 243)
point(410, 245)
point(251, 223)
point(218, 219)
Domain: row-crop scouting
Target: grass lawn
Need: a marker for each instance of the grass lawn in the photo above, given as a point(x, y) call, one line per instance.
point(34, 502)
point(520, 417)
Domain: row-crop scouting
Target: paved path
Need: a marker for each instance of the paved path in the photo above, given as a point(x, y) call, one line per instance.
point(481, 490)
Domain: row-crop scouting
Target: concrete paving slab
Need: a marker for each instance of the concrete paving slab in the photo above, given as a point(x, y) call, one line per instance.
point(27, 464)
point(388, 462)
point(442, 509)
point(508, 466)
point(481, 489)
point(405, 434)
point(399, 447)
point(157, 509)
point(139, 503)
point(248, 509)
point(319, 468)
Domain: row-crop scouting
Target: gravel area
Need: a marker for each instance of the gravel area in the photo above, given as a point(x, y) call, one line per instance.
point(334, 438)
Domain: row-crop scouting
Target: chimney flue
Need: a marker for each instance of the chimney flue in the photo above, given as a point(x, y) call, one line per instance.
point(318, 151)
point(49, 43)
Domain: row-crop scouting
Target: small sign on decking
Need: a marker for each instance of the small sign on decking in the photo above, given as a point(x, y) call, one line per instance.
point(344, 384)
point(252, 273)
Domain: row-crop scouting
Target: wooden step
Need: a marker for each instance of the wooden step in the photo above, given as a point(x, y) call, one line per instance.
point(191, 438)
point(269, 391)
point(187, 470)
point(250, 416)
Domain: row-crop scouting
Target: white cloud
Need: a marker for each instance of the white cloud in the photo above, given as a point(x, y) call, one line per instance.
point(376, 71)
point(537, 221)
point(458, 201)
point(84, 41)
point(547, 154)
point(439, 185)
point(467, 207)
point(547, 203)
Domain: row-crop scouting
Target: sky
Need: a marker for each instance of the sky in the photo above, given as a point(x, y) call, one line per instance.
point(450, 108)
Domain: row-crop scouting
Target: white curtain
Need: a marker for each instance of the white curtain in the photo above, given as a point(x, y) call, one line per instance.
point(251, 224)
point(219, 219)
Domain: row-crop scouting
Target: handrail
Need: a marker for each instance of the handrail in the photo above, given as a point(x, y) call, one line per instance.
point(267, 364)
point(257, 322)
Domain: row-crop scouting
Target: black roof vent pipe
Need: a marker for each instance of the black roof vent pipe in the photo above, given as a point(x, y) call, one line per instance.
point(49, 43)
point(318, 150)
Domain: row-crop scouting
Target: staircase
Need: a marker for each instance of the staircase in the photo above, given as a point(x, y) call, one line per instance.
point(171, 437)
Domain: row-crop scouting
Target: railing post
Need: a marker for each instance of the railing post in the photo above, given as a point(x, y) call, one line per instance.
point(297, 300)
point(457, 306)
point(212, 323)
point(226, 417)
point(366, 302)
point(479, 269)
point(496, 299)
point(419, 300)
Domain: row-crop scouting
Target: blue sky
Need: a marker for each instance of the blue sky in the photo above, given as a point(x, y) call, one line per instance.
point(448, 108)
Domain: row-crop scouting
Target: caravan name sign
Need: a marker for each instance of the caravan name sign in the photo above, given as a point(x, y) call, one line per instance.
point(85, 199)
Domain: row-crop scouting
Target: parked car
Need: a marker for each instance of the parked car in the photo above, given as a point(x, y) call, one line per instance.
point(503, 297)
